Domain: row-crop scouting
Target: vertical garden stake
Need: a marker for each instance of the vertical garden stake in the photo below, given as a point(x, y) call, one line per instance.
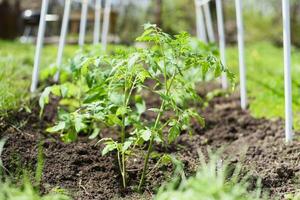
point(242, 67)
point(287, 70)
point(210, 30)
point(97, 27)
point(62, 39)
point(200, 25)
point(83, 21)
point(222, 40)
point(39, 45)
point(105, 28)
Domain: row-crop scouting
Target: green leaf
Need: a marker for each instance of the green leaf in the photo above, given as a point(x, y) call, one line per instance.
point(78, 123)
point(166, 159)
point(140, 107)
point(195, 115)
point(121, 111)
point(146, 135)
point(44, 99)
point(114, 120)
point(95, 133)
point(64, 90)
point(60, 126)
point(218, 70)
point(71, 136)
point(126, 145)
point(55, 90)
point(174, 132)
point(156, 110)
point(132, 60)
point(110, 146)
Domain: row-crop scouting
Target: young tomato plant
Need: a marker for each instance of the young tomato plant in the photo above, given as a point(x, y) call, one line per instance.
point(113, 91)
point(169, 59)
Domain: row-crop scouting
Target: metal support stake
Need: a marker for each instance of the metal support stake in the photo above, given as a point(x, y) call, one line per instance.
point(222, 40)
point(62, 39)
point(287, 70)
point(105, 28)
point(239, 16)
point(209, 26)
point(83, 21)
point(200, 25)
point(97, 27)
point(39, 45)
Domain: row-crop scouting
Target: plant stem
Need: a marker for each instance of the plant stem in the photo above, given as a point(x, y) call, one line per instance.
point(123, 168)
point(146, 161)
point(142, 180)
point(126, 101)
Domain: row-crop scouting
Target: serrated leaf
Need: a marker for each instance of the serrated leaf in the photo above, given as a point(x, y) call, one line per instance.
point(174, 132)
point(218, 70)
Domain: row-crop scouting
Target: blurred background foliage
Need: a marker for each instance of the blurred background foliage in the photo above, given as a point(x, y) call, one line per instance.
point(262, 19)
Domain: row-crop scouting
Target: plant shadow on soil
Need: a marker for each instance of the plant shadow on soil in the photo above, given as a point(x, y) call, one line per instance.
point(79, 167)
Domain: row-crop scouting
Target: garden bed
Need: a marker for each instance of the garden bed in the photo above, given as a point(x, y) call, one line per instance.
point(80, 169)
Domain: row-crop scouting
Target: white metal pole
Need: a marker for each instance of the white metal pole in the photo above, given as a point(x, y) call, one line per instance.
point(105, 28)
point(209, 26)
point(97, 27)
point(222, 40)
point(39, 45)
point(62, 39)
point(83, 20)
point(242, 67)
point(200, 25)
point(287, 70)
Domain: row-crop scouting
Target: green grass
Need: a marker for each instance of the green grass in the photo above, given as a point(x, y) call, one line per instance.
point(213, 180)
point(16, 64)
point(265, 79)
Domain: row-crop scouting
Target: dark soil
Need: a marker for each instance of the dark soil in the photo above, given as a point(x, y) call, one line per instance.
point(80, 168)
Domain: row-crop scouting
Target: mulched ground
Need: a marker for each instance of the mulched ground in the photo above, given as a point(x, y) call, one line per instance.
point(80, 168)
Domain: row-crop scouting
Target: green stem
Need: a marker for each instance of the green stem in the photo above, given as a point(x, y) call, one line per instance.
point(123, 170)
point(123, 167)
point(146, 161)
point(142, 180)
point(123, 164)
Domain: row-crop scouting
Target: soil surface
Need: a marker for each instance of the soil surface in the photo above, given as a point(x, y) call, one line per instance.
point(80, 169)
